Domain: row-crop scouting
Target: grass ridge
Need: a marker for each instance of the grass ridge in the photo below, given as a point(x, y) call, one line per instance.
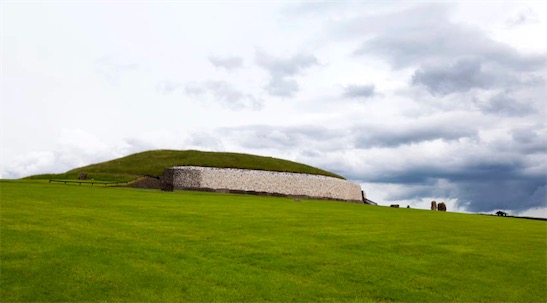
point(155, 161)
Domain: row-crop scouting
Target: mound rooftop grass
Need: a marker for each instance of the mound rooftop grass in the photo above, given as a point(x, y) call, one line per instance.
point(81, 243)
point(155, 161)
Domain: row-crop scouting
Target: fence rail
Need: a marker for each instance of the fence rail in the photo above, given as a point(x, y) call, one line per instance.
point(80, 182)
point(98, 182)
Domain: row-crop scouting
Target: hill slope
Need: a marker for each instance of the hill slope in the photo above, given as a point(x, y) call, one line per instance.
point(155, 161)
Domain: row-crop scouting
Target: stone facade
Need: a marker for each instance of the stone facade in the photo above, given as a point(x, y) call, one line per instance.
point(260, 182)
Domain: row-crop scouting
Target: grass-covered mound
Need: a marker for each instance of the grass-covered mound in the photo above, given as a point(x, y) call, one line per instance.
point(70, 243)
point(155, 161)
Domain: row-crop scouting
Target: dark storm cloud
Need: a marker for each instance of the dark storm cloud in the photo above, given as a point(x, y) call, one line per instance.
point(282, 70)
point(359, 91)
point(486, 196)
point(467, 171)
point(228, 63)
point(223, 93)
point(368, 136)
point(481, 185)
point(513, 193)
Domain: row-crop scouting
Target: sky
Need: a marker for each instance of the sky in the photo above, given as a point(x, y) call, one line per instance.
point(413, 100)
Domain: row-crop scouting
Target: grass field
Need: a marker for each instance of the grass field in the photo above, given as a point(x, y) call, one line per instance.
point(81, 243)
point(155, 161)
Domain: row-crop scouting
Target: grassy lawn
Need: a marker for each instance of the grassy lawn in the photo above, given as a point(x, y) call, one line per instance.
point(81, 243)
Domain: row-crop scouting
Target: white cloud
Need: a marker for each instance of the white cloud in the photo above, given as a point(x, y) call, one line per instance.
point(35, 162)
point(536, 212)
point(228, 63)
point(359, 91)
point(225, 94)
point(73, 148)
point(282, 71)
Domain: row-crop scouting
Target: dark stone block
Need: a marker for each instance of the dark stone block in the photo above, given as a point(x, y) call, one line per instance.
point(166, 180)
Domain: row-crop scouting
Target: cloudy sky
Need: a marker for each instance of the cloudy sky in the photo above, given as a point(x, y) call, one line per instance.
point(416, 101)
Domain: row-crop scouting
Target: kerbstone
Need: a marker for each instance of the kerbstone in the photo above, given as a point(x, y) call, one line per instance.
point(267, 182)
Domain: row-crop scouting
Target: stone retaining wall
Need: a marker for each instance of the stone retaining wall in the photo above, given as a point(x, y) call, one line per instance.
point(146, 182)
point(260, 182)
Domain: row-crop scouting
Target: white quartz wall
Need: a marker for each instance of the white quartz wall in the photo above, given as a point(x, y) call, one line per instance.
point(290, 184)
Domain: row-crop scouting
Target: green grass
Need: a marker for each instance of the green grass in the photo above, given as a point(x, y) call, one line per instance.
point(81, 243)
point(154, 162)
